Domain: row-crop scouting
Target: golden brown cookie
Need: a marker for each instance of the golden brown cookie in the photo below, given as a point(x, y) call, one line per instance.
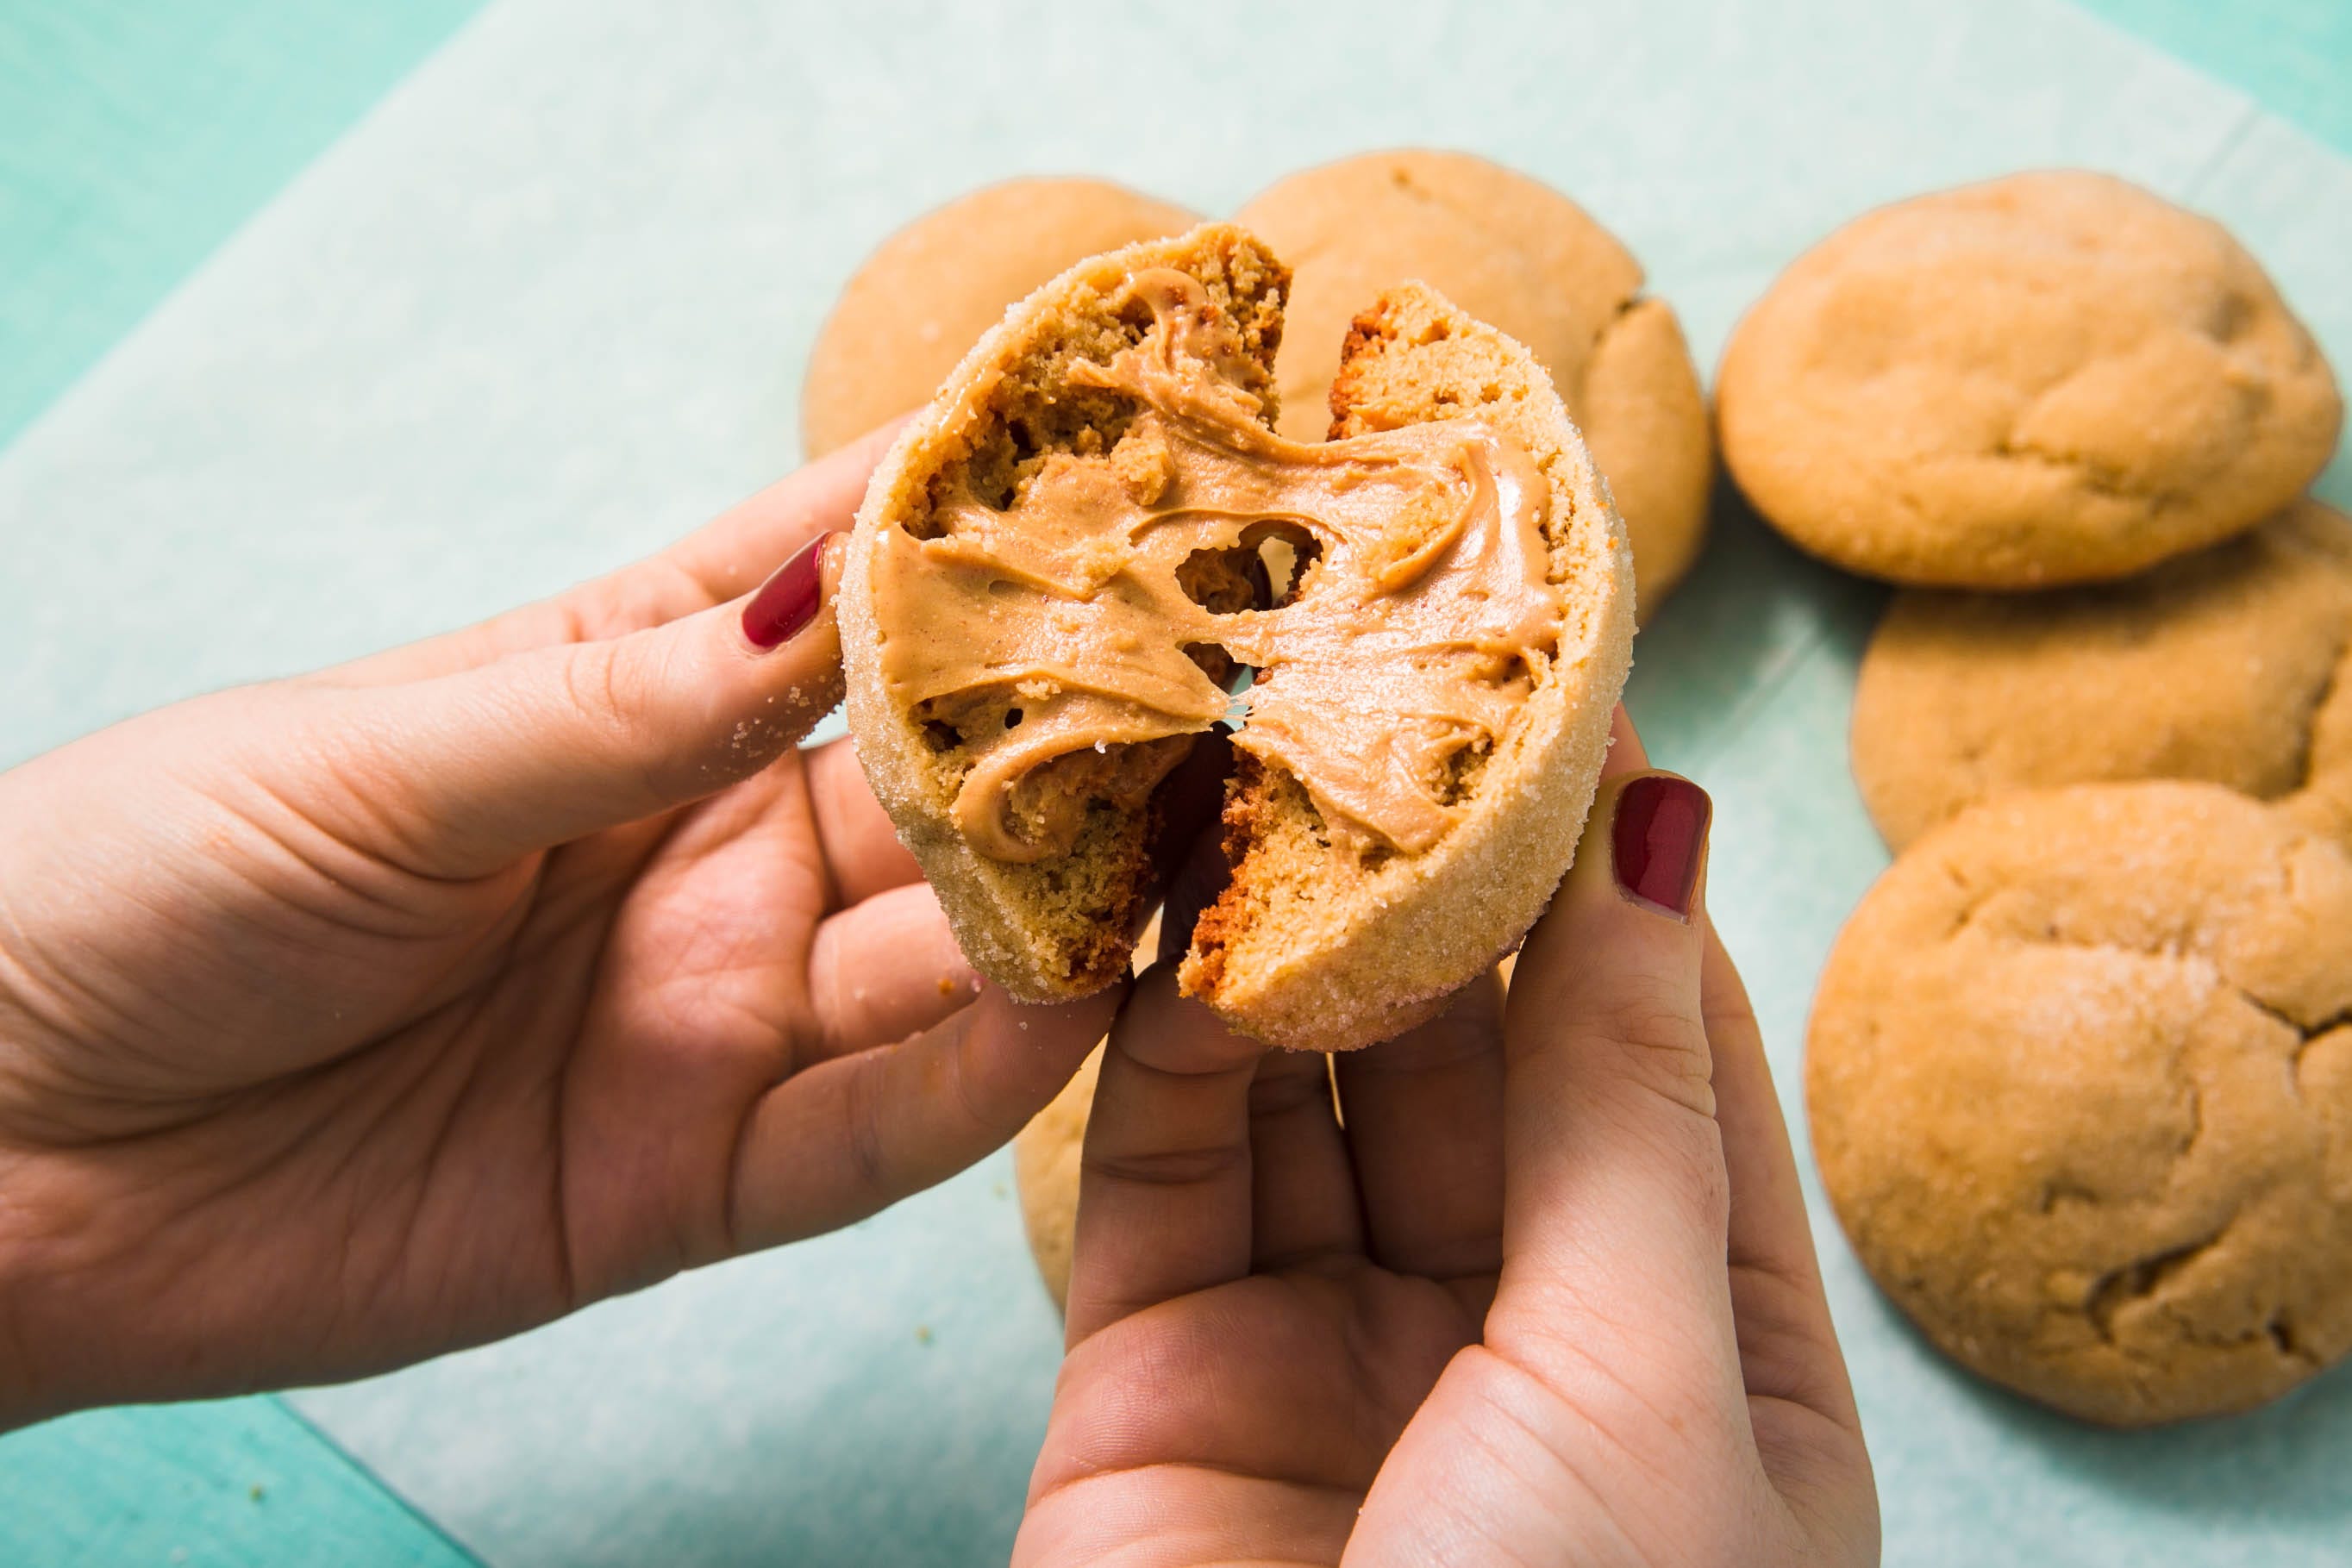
point(2045, 379)
point(2234, 666)
point(1058, 570)
point(929, 292)
point(2080, 1081)
point(1514, 252)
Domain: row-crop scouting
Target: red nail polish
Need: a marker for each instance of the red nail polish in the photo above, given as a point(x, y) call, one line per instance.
point(790, 599)
point(1659, 837)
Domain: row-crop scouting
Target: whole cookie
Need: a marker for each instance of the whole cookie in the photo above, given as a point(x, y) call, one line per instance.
point(1512, 251)
point(2045, 379)
point(929, 291)
point(2232, 665)
point(2080, 1081)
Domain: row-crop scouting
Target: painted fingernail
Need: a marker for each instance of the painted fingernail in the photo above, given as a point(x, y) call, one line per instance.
point(1659, 838)
point(791, 598)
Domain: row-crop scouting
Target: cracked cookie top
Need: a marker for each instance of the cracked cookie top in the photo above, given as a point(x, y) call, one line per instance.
point(2080, 1082)
point(1512, 251)
point(2232, 665)
point(2044, 378)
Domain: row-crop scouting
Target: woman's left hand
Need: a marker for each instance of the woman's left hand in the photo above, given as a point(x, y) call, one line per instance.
point(351, 1019)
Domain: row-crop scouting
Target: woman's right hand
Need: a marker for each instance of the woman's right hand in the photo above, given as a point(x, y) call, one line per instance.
point(1540, 1290)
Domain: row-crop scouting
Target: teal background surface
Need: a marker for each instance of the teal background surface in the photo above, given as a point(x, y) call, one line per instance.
point(2293, 57)
point(135, 135)
point(226, 1484)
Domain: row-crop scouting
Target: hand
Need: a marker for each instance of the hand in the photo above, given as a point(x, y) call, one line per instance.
point(351, 1019)
point(1542, 1291)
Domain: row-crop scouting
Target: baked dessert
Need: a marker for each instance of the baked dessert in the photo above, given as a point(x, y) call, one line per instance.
point(1075, 559)
point(1512, 251)
point(2234, 665)
point(2046, 379)
point(2080, 1082)
point(927, 292)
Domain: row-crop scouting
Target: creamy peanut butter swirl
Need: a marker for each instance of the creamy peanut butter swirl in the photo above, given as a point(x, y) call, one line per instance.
point(1053, 643)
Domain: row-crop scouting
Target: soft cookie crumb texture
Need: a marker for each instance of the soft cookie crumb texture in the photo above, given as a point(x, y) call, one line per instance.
point(1066, 613)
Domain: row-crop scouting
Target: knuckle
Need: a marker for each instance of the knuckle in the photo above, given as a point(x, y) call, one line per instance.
point(1682, 1150)
point(597, 687)
point(1662, 1041)
point(862, 1123)
point(1649, 1010)
point(839, 1017)
point(606, 687)
point(584, 615)
point(1290, 1088)
point(1732, 1020)
point(1176, 1167)
point(992, 1108)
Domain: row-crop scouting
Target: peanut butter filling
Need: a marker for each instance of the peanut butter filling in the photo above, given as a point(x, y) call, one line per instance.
point(1069, 645)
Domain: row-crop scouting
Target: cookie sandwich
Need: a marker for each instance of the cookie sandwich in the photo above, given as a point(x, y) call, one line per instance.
point(1093, 548)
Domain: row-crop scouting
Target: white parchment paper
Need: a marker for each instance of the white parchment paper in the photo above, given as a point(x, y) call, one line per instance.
point(547, 308)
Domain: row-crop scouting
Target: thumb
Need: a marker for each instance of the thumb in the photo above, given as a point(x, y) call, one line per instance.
point(547, 746)
point(1615, 1178)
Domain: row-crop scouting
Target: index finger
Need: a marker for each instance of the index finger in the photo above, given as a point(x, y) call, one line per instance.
point(1164, 1186)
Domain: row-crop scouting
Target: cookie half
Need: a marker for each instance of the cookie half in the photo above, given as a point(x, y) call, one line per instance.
point(1512, 251)
point(2046, 379)
point(1093, 548)
point(2232, 665)
point(2079, 1077)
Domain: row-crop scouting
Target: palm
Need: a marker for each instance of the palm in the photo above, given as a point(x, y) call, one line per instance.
point(475, 1104)
point(1263, 1299)
point(1269, 1406)
point(1530, 1282)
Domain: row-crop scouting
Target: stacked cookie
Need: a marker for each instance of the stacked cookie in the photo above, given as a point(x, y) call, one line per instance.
point(1509, 250)
point(2080, 1066)
point(2048, 379)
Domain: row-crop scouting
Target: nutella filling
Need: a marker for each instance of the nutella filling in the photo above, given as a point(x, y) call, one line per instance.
point(1070, 644)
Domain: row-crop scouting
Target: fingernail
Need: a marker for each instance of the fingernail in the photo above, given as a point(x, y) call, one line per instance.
point(790, 599)
point(1659, 838)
